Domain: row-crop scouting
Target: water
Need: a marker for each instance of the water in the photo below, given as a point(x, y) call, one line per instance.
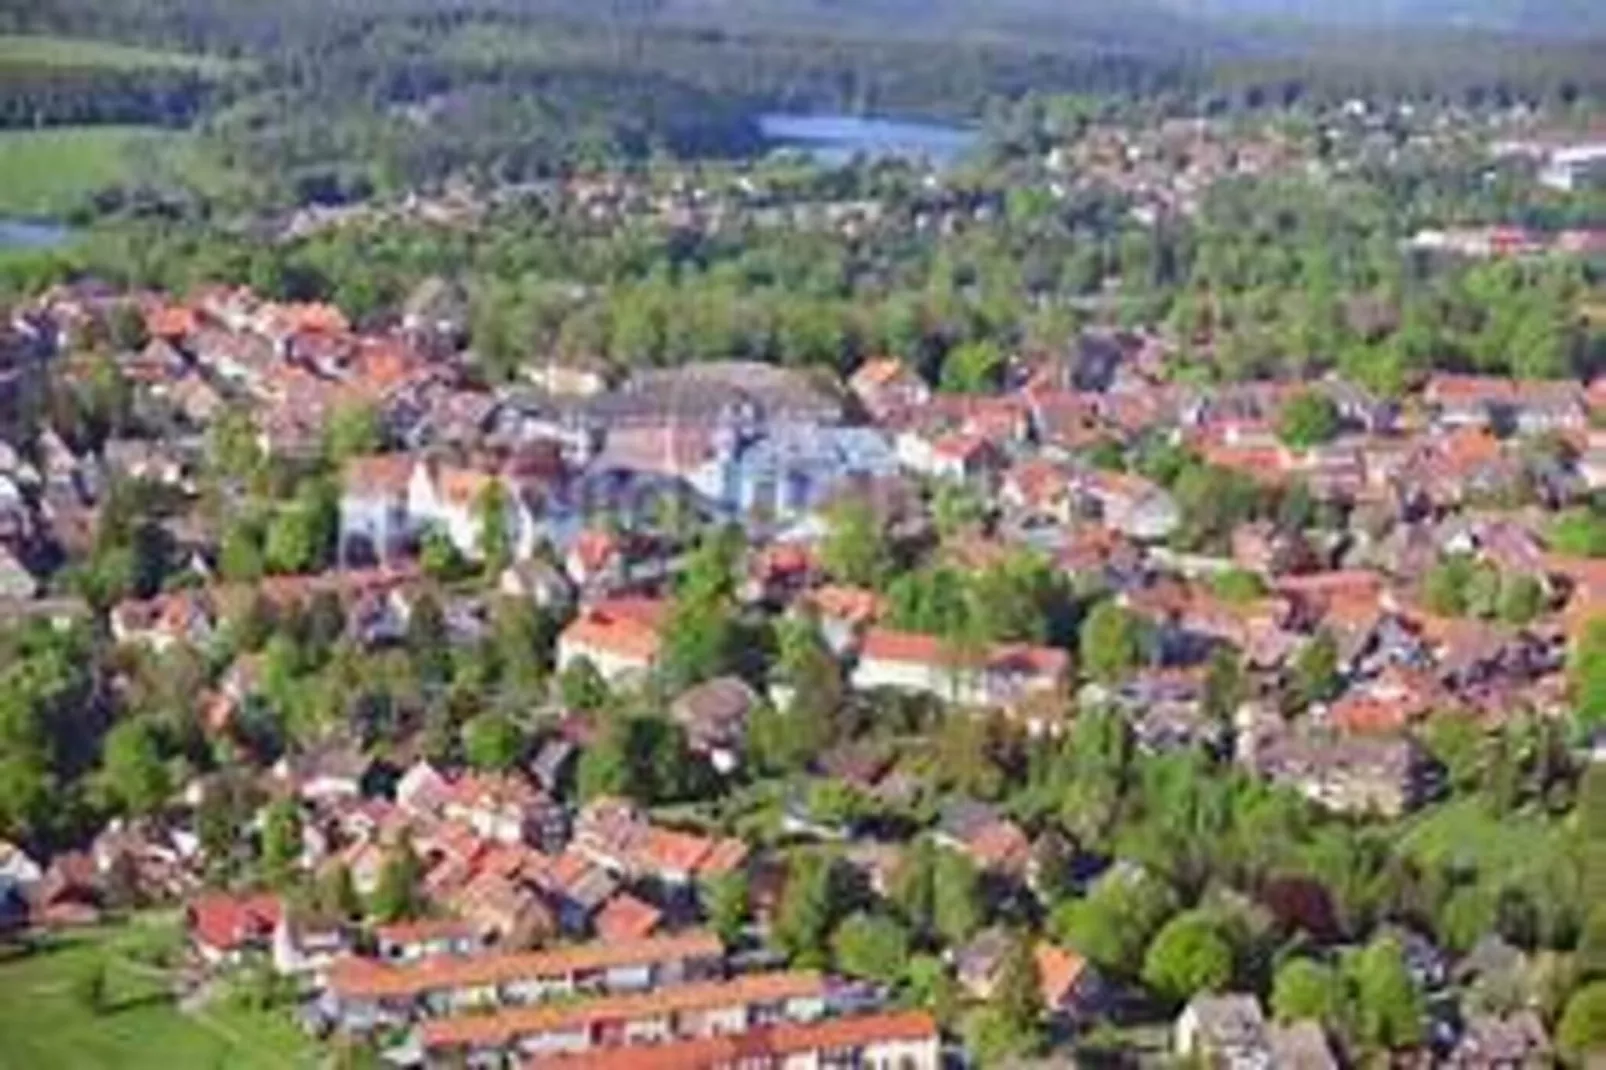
point(836, 139)
point(32, 234)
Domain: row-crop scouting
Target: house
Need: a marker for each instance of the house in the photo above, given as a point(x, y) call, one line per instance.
point(184, 618)
point(1227, 1031)
point(507, 809)
point(620, 637)
point(363, 991)
point(1130, 504)
point(304, 945)
point(226, 928)
point(539, 582)
point(1346, 774)
point(979, 961)
point(886, 386)
point(422, 789)
point(978, 831)
point(789, 470)
point(1517, 1041)
point(410, 941)
point(335, 770)
point(1300, 1046)
point(907, 1040)
point(553, 763)
point(1069, 984)
point(618, 837)
point(450, 499)
point(1006, 675)
point(679, 1012)
point(504, 910)
point(375, 524)
point(959, 457)
point(714, 715)
point(625, 918)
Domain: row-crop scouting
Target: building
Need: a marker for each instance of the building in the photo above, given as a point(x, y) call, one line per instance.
point(226, 929)
point(620, 637)
point(365, 992)
point(662, 1015)
point(1001, 676)
point(1575, 166)
point(1227, 1031)
point(903, 1041)
point(789, 471)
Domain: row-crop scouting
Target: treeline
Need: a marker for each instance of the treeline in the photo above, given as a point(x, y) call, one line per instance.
point(41, 95)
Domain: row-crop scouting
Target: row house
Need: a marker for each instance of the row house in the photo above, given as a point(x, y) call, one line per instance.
point(507, 809)
point(364, 992)
point(906, 1040)
point(684, 1012)
point(1354, 774)
point(1524, 405)
point(1006, 675)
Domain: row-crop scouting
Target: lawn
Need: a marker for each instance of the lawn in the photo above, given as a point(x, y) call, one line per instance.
point(48, 173)
point(43, 1025)
point(23, 50)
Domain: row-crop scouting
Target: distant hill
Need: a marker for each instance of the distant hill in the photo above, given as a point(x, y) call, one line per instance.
point(1544, 18)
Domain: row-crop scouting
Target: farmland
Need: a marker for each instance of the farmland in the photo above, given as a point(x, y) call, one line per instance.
point(43, 51)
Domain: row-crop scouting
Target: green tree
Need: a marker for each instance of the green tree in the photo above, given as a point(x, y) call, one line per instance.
point(871, 946)
point(1305, 989)
point(438, 556)
point(1581, 1033)
point(956, 901)
point(1309, 419)
point(1586, 671)
point(492, 742)
point(855, 549)
point(399, 894)
point(972, 368)
point(1388, 1006)
point(1224, 685)
point(1113, 924)
point(1316, 676)
point(1111, 643)
point(240, 558)
point(1019, 991)
point(281, 842)
point(134, 774)
point(352, 430)
point(729, 905)
point(491, 517)
point(1189, 955)
point(1522, 599)
point(582, 687)
point(808, 911)
point(337, 893)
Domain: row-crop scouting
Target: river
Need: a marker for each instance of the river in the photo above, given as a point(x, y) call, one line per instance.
point(837, 139)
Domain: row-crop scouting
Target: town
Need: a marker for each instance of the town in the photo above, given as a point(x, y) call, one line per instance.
point(620, 702)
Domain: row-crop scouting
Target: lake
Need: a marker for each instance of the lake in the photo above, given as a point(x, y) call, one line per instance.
point(32, 234)
point(836, 139)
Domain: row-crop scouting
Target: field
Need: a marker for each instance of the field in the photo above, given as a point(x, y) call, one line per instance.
point(46, 173)
point(83, 52)
point(43, 1025)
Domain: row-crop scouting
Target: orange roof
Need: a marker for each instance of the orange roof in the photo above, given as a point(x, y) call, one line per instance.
point(387, 472)
point(415, 932)
point(624, 917)
point(499, 1030)
point(593, 549)
point(877, 372)
point(1370, 715)
point(171, 321)
point(852, 604)
point(364, 978)
point(462, 487)
point(1059, 970)
point(757, 1047)
point(624, 627)
point(885, 644)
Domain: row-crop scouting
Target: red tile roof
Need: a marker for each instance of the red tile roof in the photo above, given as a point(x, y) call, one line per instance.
point(229, 922)
point(626, 627)
point(758, 1047)
point(499, 1030)
point(1059, 971)
point(625, 917)
point(364, 978)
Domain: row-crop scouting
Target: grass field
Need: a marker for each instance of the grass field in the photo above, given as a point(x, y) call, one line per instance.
point(43, 1026)
point(84, 52)
point(45, 173)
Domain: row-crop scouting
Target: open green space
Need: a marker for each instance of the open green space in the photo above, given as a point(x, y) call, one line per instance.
point(44, 1023)
point(46, 51)
point(48, 173)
